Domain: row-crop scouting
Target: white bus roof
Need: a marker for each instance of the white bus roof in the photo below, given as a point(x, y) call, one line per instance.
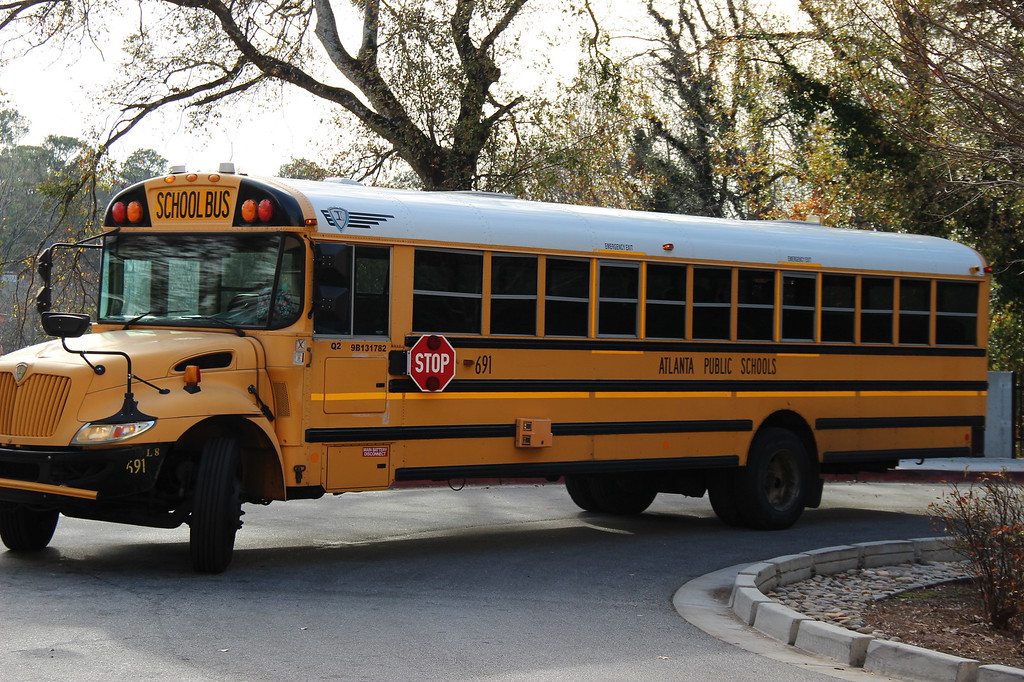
point(472, 218)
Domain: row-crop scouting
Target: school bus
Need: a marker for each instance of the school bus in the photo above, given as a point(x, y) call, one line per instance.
point(262, 339)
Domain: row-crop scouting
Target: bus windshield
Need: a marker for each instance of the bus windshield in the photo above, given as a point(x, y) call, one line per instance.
point(202, 280)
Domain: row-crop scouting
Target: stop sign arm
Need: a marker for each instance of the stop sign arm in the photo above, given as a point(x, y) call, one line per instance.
point(431, 363)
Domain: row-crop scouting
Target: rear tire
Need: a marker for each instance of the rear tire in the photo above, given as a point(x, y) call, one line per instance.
point(722, 494)
point(578, 488)
point(770, 493)
point(622, 495)
point(216, 506)
point(26, 530)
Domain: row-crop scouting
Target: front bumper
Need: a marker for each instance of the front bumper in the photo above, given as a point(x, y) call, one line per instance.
point(56, 477)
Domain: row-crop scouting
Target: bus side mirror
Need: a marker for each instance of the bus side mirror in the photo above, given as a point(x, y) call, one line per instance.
point(44, 264)
point(65, 325)
point(43, 303)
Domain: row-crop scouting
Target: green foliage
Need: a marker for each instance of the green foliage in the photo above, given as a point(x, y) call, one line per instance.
point(140, 165)
point(858, 129)
point(303, 169)
point(13, 127)
point(52, 192)
point(710, 138)
point(574, 149)
point(986, 525)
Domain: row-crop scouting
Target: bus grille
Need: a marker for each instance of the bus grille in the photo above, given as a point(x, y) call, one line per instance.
point(34, 407)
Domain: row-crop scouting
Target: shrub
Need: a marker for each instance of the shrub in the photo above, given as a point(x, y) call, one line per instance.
point(985, 524)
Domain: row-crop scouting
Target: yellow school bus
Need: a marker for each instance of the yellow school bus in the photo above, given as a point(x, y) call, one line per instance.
point(261, 339)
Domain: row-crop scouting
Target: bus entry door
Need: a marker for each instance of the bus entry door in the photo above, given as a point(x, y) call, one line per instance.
point(355, 385)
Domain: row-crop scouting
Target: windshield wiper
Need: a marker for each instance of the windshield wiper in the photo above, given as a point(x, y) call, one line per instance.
point(139, 317)
point(222, 322)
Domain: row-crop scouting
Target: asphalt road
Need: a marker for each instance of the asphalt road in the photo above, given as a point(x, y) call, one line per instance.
point(488, 583)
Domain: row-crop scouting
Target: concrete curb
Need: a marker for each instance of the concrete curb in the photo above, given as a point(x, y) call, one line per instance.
point(904, 661)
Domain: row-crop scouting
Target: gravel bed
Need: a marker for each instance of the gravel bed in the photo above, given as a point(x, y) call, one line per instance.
point(841, 598)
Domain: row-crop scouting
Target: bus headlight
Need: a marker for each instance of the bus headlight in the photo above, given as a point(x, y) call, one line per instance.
point(101, 434)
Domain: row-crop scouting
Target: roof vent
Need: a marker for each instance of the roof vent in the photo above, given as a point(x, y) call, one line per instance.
point(226, 167)
point(177, 169)
point(343, 181)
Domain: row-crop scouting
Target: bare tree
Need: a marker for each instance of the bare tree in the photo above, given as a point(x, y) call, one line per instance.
point(970, 57)
point(421, 76)
point(712, 141)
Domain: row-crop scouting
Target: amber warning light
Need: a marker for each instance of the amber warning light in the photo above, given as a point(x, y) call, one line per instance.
point(263, 211)
point(127, 212)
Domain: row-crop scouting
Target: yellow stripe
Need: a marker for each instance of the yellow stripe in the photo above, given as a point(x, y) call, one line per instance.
point(923, 394)
point(49, 489)
point(796, 394)
point(321, 397)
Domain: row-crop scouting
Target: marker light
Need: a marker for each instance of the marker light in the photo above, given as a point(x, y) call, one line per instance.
point(193, 375)
point(266, 210)
point(101, 434)
point(119, 212)
point(249, 210)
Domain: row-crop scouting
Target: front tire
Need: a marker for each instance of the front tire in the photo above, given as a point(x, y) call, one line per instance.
point(26, 530)
point(216, 506)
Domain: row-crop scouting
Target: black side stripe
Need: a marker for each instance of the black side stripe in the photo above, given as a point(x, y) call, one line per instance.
point(781, 386)
point(702, 346)
point(401, 433)
point(855, 456)
point(897, 422)
point(551, 469)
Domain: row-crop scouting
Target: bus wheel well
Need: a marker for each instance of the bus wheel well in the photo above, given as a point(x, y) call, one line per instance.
point(261, 467)
point(793, 422)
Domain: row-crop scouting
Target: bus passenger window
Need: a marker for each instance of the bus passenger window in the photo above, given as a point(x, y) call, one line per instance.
point(799, 303)
point(351, 287)
point(332, 289)
point(514, 295)
point(712, 303)
point(876, 299)
point(755, 314)
point(838, 307)
point(371, 286)
point(618, 291)
point(956, 321)
point(666, 301)
point(567, 297)
point(447, 292)
point(915, 311)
